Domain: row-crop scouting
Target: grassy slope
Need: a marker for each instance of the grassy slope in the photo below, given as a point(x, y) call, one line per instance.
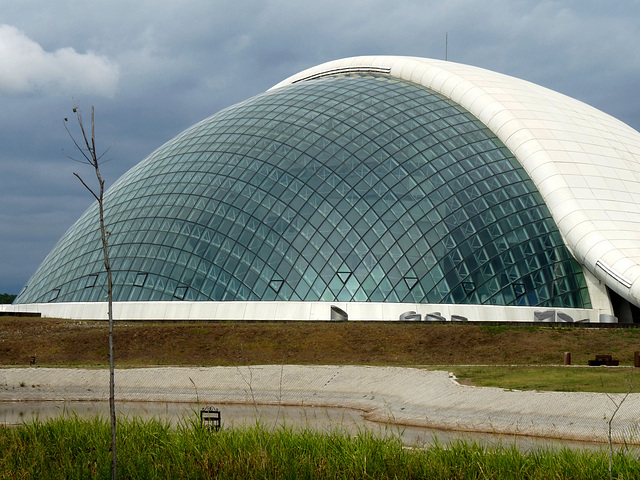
point(62, 342)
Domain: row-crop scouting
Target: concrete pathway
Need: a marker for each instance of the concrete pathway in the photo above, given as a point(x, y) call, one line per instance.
point(404, 396)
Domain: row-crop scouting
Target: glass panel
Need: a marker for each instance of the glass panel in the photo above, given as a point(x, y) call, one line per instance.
point(330, 189)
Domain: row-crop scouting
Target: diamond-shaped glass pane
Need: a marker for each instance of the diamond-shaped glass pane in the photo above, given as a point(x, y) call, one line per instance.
point(342, 188)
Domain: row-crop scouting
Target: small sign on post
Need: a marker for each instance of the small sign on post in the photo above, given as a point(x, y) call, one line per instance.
point(210, 418)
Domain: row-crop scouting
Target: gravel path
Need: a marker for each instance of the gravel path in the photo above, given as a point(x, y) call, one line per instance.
point(406, 396)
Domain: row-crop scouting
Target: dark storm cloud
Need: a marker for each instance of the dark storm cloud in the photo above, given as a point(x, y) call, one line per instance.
point(154, 67)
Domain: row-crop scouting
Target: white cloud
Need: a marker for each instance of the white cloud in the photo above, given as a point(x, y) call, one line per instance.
point(26, 67)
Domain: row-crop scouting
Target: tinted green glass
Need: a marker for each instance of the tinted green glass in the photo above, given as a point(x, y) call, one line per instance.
point(345, 188)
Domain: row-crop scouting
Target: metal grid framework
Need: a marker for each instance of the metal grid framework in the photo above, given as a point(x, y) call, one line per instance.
point(350, 188)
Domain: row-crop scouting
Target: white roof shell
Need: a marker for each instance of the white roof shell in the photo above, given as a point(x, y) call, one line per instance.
point(585, 163)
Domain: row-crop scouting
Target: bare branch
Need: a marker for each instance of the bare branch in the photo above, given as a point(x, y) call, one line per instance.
point(93, 136)
point(610, 421)
point(86, 186)
point(78, 147)
point(83, 162)
point(92, 152)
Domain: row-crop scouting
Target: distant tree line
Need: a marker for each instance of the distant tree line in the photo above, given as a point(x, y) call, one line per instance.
point(6, 298)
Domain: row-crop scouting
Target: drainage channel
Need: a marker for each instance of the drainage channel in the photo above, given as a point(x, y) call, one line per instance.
point(273, 416)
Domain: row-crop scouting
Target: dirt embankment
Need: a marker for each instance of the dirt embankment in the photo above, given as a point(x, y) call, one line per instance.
point(65, 342)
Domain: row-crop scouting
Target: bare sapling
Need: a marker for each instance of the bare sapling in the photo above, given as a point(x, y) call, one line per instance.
point(617, 405)
point(87, 147)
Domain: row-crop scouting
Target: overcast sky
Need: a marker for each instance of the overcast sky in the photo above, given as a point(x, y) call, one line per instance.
point(154, 67)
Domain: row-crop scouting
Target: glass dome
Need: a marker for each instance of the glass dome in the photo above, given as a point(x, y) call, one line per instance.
point(350, 188)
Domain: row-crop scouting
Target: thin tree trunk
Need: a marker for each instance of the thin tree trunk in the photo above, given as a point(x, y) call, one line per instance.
point(112, 402)
point(107, 266)
point(92, 158)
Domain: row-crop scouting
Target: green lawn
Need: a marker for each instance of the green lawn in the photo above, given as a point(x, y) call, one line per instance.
point(560, 379)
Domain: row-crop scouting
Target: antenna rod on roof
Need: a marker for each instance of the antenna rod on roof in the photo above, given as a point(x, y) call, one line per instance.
point(446, 46)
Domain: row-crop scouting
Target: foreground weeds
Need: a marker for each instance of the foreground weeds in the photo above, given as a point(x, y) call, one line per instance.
point(73, 448)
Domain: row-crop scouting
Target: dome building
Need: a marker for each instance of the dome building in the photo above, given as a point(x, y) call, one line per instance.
point(369, 188)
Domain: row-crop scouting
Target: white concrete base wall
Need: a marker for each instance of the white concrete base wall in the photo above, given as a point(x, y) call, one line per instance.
point(307, 311)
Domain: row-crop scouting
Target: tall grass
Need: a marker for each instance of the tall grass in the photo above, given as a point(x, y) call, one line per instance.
point(72, 448)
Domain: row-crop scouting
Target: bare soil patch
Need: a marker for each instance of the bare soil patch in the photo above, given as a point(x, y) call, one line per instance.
point(66, 342)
